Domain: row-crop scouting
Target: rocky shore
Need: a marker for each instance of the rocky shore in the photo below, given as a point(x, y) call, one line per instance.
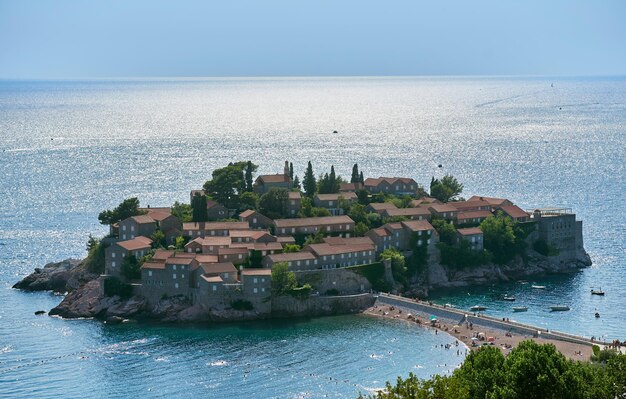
point(85, 300)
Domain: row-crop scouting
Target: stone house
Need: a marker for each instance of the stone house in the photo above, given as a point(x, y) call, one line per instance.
point(115, 253)
point(514, 212)
point(332, 201)
point(255, 219)
point(208, 245)
point(171, 277)
point(381, 239)
point(391, 185)
point(295, 260)
point(326, 224)
point(203, 229)
point(236, 256)
point(342, 255)
point(256, 283)
point(492, 201)
point(444, 211)
point(380, 207)
point(473, 235)
point(264, 183)
point(351, 187)
point(294, 204)
point(216, 211)
point(135, 226)
point(475, 205)
point(472, 217)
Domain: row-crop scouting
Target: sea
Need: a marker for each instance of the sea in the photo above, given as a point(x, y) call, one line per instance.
point(71, 148)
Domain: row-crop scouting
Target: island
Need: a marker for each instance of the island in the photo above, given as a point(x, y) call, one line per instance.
point(247, 248)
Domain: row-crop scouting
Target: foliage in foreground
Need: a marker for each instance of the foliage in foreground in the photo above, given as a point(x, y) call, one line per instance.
point(530, 371)
point(94, 262)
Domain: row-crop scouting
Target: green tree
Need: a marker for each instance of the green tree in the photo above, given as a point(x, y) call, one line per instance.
point(499, 237)
point(94, 262)
point(360, 229)
point(446, 189)
point(199, 211)
point(273, 203)
point(361, 179)
point(309, 183)
point(329, 183)
point(398, 264)
point(248, 200)
point(131, 268)
point(316, 238)
point(179, 243)
point(291, 170)
point(358, 214)
point(182, 212)
point(250, 168)
point(355, 174)
point(446, 230)
point(306, 207)
point(227, 184)
point(296, 183)
point(363, 196)
point(158, 239)
point(289, 248)
point(319, 212)
point(127, 208)
point(283, 280)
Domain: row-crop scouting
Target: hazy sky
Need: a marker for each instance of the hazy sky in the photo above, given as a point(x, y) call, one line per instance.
point(125, 38)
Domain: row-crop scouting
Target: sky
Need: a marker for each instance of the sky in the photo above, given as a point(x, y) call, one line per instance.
point(42, 39)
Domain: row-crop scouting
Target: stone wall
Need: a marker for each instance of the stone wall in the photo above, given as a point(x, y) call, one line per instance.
point(344, 281)
point(287, 306)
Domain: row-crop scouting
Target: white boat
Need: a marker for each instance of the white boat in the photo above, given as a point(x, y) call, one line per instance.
point(559, 308)
point(509, 298)
point(538, 287)
point(478, 308)
point(520, 308)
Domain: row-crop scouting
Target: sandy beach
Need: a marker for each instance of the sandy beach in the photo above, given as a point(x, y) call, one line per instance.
point(501, 339)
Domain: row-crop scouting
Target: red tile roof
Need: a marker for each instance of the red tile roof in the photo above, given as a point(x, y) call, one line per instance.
point(291, 256)
point(407, 212)
point(348, 241)
point(204, 226)
point(247, 213)
point(513, 211)
point(153, 265)
point(335, 197)
point(418, 225)
point(277, 178)
point(215, 268)
point(327, 249)
point(473, 214)
point(206, 258)
point(471, 205)
point(491, 200)
point(469, 231)
point(314, 221)
point(142, 219)
point(135, 244)
point(441, 208)
point(293, 195)
point(256, 272)
point(381, 206)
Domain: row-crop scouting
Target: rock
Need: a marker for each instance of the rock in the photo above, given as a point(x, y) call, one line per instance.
point(63, 276)
point(40, 312)
point(86, 301)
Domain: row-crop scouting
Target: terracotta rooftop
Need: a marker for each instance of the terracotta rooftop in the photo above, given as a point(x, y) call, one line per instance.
point(247, 213)
point(335, 197)
point(212, 279)
point(291, 256)
point(390, 180)
point(418, 225)
point(513, 211)
point(206, 258)
point(286, 240)
point(212, 240)
point(153, 265)
point(136, 243)
point(162, 254)
point(294, 195)
point(470, 205)
point(258, 246)
point(204, 226)
point(381, 206)
point(232, 251)
point(159, 216)
point(277, 178)
point(348, 241)
point(381, 232)
point(324, 249)
point(256, 272)
point(210, 204)
point(470, 231)
point(314, 221)
point(440, 208)
point(473, 214)
point(142, 219)
point(179, 260)
point(215, 268)
point(491, 200)
point(419, 211)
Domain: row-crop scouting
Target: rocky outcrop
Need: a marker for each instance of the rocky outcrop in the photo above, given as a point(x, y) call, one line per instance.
point(64, 276)
point(440, 276)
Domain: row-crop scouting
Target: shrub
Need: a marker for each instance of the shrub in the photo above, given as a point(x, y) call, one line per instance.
point(302, 292)
point(332, 292)
point(462, 256)
point(114, 286)
point(375, 274)
point(94, 263)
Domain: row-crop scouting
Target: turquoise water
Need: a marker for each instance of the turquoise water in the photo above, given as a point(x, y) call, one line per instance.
point(70, 149)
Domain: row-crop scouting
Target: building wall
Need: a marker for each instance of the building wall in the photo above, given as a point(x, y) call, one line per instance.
point(347, 259)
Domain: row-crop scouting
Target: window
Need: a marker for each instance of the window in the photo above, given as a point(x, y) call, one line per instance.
point(263, 280)
point(253, 220)
point(293, 202)
point(174, 276)
point(124, 228)
point(174, 267)
point(293, 229)
point(255, 290)
point(327, 228)
point(176, 285)
point(214, 287)
point(419, 242)
point(240, 256)
point(306, 262)
point(113, 255)
point(124, 236)
point(225, 275)
point(255, 280)
point(113, 264)
point(262, 289)
point(347, 227)
point(132, 228)
point(330, 203)
point(149, 273)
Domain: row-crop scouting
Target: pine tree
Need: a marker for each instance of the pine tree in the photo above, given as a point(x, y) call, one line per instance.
point(296, 182)
point(291, 170)
point(361, 179)
point(248, 176)
point(355, 174)
point(309, 183)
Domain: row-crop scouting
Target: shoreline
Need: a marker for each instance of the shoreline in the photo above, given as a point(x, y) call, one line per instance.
point(501, 338)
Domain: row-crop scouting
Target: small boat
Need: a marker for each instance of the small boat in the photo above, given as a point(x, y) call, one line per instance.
point(508, 298)
point(523, 282)
point(520, 308)
point(538, 287)
point(559, 308)
point(478, 308)
point(597, 291)
point(449, 305)
point(597, 315)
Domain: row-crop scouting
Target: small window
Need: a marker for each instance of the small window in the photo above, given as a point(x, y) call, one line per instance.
point(113, 255)
point(255, 290)
point(262, 289)
point(253, 220)
point(240, 256)
point(132, 228)
point(255, 280)
point(149, 273)
point(214, 287)
point(113, 264)
point(174, 276)
point(176, 285)
point(225, 275)
point(124, 228)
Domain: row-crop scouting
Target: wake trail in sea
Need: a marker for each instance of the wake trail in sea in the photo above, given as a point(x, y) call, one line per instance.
point(501, 100)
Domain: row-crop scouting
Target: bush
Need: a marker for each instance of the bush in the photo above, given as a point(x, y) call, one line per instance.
point(302, 292)
point(94, 263)
point(332, 292)
point(241, 304)
point(375, 274)
point(131, 268)
point(462, 256)
point(114, 286)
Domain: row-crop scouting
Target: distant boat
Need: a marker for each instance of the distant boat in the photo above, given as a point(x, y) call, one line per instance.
point(597, 315)
point(477, 308)
point(508, 298)
point(559, 308)
point(523, 282)
point(520, 308)
point(449, 305)
point(335, 132)
point(597, 291)
point(538, 287)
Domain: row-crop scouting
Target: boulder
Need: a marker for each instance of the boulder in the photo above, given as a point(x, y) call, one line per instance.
point(63, 276)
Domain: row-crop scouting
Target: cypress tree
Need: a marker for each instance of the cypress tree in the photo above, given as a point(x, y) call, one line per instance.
point(332, 180)
point(291, 170)
point(248, 176)
point(296, 182)
point(199, 212)
point(361, 179)
point(355, 174)
point(309, 183)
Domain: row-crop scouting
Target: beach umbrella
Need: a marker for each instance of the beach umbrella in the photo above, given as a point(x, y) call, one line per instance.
point(491, 339)
point(474, 339)
point(455, 326)
point(433, 318)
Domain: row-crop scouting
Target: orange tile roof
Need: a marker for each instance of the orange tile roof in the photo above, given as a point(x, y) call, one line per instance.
point(418, 225)
point(514, 211)
point(291, 256)
point(470, 205)
point(207, 258)
point(490, 200)
point(212, 279)
point(440, 208)
point(469, 231)
point(473, 214)
point(214, 268)
point(327, 249)
point(381, 206)
point(247, 213)
point(293, 195)
point(407, 212)
point(135, 244)
point(256, 272)
point(277, 178)
point(204, 226)
point(335, 197)
point(142, 219)
point(314, 221)
point(153, 265)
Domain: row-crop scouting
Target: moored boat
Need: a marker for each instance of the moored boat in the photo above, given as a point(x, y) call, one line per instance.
point(559, 308)
point(597, 291)
point(478, 308)
point(520, 308)
point(538, 287)
point(508, 298)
